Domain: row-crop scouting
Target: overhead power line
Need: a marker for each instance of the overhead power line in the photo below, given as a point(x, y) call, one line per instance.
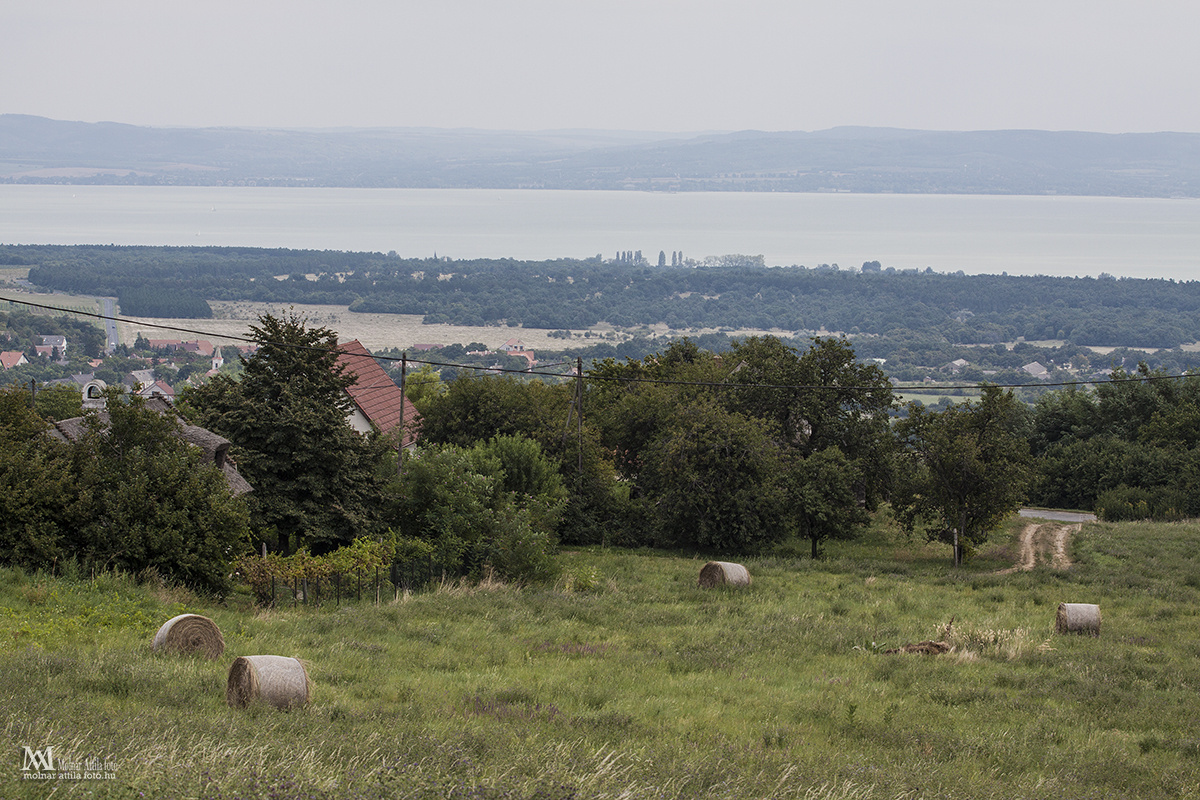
point(606, 378)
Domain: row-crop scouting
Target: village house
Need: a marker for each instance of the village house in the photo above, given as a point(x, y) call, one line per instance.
point(957, 365)
point(12, 358)
point(138, 377)
point(80, 381)
point(516, 348)
point(51, 344)
point(156, 389)
point(214, 446)
point(200, 346)
point(1037, 370)
point(377, 399)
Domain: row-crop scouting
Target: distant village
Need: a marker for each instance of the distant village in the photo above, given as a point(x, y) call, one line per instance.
point(152, 368)
point(160, 368)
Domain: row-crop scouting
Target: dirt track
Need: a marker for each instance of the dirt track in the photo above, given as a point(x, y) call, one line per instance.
point(1044, 541)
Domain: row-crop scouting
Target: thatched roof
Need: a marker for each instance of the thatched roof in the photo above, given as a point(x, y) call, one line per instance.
point(215, 446)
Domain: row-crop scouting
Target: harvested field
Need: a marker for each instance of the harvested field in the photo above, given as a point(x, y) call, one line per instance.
point(233, 318)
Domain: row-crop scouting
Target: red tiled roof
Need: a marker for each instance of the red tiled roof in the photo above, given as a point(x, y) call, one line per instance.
point(10, 358)
point(374, 392)
point(201, 346)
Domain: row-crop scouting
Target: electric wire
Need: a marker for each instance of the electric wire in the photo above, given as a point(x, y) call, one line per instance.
point(897, 388)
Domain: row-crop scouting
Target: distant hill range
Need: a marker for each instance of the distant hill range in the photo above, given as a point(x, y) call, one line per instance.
point(39, 150)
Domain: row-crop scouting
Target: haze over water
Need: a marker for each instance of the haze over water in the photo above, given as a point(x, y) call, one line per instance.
point(1047, 235)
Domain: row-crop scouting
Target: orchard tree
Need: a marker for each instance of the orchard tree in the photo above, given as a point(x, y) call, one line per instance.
point(713, 480)
point(964, 469)
point(818, 399)
point(699, 474)
point(821, 498)
point(473, 410)
point(317, 483)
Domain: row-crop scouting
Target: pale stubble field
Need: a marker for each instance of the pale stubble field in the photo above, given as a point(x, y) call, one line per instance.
point(375, 331)
point(381, 331)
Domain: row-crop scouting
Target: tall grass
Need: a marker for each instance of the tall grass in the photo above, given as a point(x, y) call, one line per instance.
point(626, 680)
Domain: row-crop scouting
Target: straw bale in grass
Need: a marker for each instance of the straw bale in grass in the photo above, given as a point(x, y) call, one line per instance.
point(190, 633)
point(718, 573)
point(1082, 618)
point(281, 681)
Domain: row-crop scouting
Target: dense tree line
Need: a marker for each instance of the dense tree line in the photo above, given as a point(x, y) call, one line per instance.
point(729, 451)
point(154, 301)
point(1127, 449)
point(569, 293)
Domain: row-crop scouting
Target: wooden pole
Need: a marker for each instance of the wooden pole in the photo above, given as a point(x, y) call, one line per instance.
point(579, 400)
point(403, 400)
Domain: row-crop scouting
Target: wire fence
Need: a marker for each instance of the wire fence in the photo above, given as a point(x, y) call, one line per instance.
point(378, 585)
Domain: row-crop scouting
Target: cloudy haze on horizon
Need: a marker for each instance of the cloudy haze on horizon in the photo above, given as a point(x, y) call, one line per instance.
point(654, 65)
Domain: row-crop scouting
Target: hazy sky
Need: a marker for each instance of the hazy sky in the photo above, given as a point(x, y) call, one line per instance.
point(667, 65)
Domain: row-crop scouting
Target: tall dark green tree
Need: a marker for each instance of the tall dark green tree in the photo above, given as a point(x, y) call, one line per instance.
point(963, 470)
point(699, 474)
point(317, 482)
point(712, 480)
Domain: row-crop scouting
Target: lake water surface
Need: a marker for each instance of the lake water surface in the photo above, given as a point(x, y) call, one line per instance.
point(1134, 237)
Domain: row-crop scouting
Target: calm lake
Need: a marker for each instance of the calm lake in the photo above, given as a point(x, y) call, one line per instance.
point(1133, 237)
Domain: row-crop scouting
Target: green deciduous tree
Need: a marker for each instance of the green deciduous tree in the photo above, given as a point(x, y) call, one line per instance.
point(129, 495)
point(821, 398)
point(146, 499)
point(822, 499)
point(713, 480)
point(964, 469)
point(473, 410)
point(36, 489)
point(492, 505)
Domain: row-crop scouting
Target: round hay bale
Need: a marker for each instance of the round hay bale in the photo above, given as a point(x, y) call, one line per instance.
point(719, 573)
point(190, 633)
point(1083, 618)
point(281, 681)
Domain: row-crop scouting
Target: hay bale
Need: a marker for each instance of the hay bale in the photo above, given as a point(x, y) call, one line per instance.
point(718, 573)
point(281, 681)
point(1083, 618)
point(190, 633)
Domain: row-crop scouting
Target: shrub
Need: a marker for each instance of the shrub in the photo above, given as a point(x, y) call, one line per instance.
point(1125, 503)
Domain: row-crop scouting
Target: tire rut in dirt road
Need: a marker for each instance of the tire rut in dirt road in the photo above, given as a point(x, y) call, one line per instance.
point(1043, 542)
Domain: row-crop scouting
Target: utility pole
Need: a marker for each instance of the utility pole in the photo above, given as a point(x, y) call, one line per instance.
point(403, 400)
point(579, 401)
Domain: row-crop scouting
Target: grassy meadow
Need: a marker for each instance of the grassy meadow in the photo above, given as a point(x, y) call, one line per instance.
point(626, 680)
